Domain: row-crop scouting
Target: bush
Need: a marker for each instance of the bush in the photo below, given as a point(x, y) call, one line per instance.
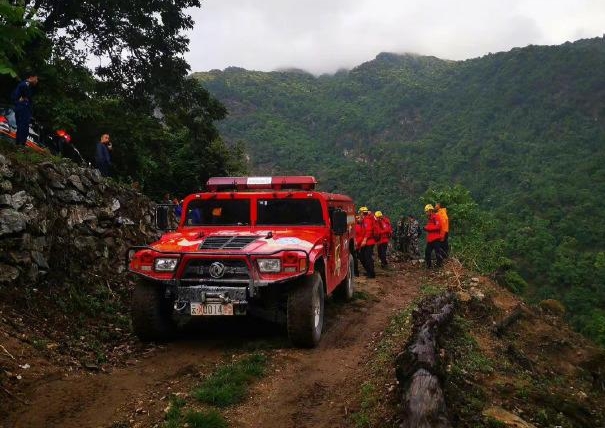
point(514, 282)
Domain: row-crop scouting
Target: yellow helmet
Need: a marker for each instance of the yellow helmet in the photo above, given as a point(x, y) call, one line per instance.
point(363, 209)
point(428, 207)
point(378, 214)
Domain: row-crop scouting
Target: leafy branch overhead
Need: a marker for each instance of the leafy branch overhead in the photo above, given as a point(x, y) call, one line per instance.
point(15, 32)
point(118, 67)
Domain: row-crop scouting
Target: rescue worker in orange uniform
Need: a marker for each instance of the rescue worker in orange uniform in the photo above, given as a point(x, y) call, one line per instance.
point(445, 229)
point(386, 231)
point(368, 242)
point(358, 239)
point(433, 236)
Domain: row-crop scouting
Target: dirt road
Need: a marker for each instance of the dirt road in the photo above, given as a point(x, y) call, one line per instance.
point(302, 388)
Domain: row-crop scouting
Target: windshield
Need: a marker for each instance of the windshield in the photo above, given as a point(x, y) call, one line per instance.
point(218, 212)
point(289, 212)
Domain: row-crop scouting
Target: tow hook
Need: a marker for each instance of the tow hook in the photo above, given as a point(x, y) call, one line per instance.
point(219, 296)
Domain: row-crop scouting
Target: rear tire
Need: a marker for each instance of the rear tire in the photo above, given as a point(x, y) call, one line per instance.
point(152, 312)
point(346, 288)
point(305, 312)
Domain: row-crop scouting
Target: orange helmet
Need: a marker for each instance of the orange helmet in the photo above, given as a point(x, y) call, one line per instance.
point(62, 134)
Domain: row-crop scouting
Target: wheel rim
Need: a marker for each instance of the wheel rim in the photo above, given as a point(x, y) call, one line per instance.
point(316, 310)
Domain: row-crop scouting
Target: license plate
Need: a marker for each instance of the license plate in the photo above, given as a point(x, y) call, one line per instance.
point(207, 309)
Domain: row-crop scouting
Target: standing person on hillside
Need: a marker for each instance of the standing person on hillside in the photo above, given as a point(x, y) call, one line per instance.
point(103, 156)
point(368, 241)
point(433, 229)
point(386, 231)
point(413, 233)
point(24, 106)
point(401, 237)
point(445, 229)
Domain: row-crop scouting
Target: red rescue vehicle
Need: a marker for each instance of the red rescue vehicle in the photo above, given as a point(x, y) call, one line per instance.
point(271, 247)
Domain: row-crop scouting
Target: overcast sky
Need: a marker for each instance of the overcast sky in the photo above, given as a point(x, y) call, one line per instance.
point(324, 35)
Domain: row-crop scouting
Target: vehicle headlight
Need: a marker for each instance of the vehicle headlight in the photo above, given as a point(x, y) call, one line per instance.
point(269, 265)
point(165, 264)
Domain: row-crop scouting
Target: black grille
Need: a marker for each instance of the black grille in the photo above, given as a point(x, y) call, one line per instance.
point(226, 242)
point(201, 270)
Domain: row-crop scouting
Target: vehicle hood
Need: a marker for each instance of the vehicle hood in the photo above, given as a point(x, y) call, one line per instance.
point(267, 240)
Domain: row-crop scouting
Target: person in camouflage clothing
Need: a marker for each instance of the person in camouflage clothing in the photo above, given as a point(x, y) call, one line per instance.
point(413, 232)
point(401, 236)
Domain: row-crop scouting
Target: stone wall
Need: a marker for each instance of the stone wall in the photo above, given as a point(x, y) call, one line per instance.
point(63, 224)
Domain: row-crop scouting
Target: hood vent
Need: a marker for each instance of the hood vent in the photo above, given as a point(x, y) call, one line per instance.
point(227, 242)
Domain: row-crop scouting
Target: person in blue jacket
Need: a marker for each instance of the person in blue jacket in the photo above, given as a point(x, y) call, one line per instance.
point(22, 98)
point(103, 156)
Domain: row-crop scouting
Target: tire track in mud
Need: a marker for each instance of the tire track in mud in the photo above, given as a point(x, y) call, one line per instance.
point(303, 388)
point(316, 388)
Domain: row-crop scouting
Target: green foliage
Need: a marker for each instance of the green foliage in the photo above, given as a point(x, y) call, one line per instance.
point(514, 282)
point(229, 384)
point(529, 152)
point(16, 32)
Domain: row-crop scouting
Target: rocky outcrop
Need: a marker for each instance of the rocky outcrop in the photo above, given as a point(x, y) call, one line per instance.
point(60, 223)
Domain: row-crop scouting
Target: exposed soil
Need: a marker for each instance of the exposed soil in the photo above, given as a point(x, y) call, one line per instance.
point(317, 387)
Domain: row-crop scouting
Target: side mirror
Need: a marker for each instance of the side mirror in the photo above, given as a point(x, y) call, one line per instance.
point(165, 217)
point(339, 222)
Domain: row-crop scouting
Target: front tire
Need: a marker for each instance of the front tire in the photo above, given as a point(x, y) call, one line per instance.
point(152, 312)
point(305, 312)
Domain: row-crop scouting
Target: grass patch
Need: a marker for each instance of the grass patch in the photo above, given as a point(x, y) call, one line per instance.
point(229, 384)
point(466, 397)
point(467, 355)
point(364, 418)
point(431, 289)
point(361, 295)
point(381, 364)
point(175, 418)
point(207, 419)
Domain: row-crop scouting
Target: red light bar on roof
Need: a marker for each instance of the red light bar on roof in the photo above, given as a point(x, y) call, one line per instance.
point(302, 182)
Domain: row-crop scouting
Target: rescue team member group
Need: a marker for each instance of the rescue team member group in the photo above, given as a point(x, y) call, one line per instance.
point(375, 229)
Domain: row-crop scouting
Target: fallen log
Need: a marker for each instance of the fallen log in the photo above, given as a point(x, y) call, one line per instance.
point(417, 367)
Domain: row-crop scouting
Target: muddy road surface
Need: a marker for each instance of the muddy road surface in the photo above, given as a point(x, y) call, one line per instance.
point(301, 387)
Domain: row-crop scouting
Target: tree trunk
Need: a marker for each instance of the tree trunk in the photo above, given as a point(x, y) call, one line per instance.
point(417, 366)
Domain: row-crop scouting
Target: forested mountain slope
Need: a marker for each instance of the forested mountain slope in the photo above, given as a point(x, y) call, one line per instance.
point(523, 130)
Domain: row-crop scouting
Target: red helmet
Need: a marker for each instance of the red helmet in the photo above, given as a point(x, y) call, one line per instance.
point(61, 133)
